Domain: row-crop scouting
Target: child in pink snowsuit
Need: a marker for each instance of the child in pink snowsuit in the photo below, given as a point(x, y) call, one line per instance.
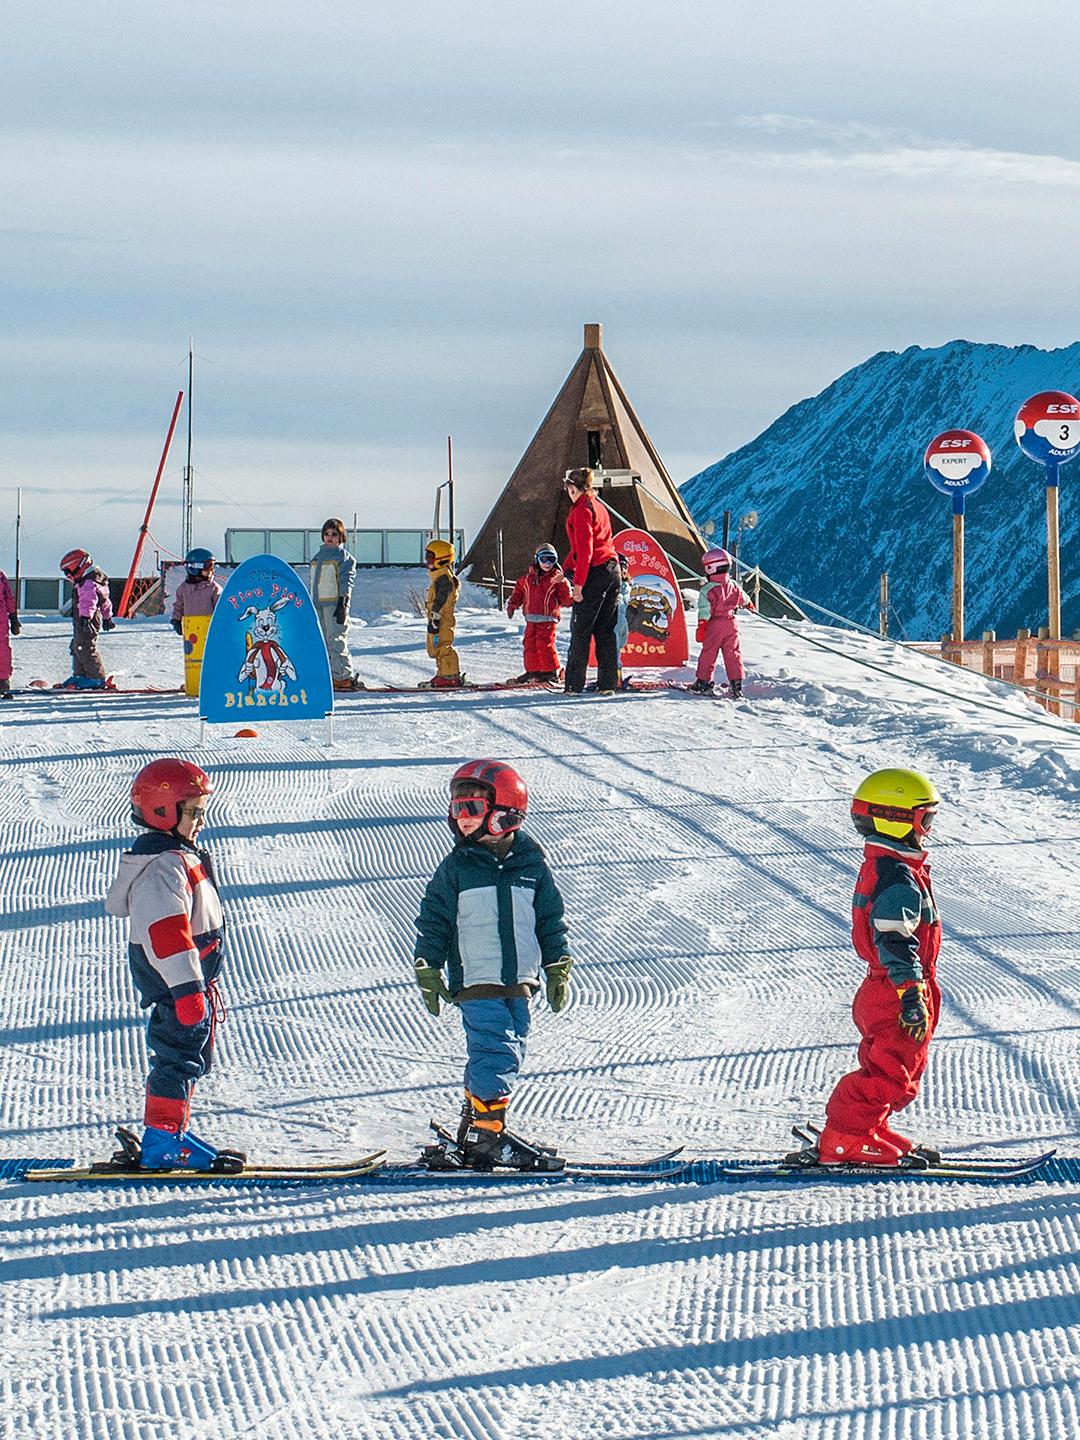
point(717, 631)
point(9, 625)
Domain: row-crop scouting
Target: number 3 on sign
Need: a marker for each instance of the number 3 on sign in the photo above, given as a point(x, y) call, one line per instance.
point(1064, 433)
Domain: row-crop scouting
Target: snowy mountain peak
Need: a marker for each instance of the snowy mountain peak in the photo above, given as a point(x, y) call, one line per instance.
point(838, 485)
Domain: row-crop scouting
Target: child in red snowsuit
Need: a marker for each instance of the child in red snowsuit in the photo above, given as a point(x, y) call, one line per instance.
point(896, 930)
point(717, 630)
point(9, 625)
point(539, 595)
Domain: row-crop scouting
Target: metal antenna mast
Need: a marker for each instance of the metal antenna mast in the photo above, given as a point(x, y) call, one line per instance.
point(189, 485)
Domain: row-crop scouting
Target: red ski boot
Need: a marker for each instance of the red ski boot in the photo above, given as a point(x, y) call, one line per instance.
point(836, 1148)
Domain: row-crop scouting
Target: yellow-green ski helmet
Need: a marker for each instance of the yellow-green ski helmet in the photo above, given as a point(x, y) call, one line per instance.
point(900, 804)
point(439, 554)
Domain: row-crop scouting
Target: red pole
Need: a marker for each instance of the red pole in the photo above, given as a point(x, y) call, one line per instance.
point(143, 528)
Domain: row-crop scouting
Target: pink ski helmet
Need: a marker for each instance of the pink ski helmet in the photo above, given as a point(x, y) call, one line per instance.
point(716, 562)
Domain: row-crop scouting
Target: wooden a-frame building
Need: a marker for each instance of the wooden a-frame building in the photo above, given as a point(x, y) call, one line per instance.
point(591, 422)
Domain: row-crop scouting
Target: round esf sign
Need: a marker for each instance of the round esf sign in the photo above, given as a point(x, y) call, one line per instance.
point(1047, 427)
point(957, 462)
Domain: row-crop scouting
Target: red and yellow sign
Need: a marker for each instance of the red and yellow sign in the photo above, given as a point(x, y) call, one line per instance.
point(657, 634)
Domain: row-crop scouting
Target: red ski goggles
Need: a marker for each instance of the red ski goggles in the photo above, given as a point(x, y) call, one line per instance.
point(472, 807)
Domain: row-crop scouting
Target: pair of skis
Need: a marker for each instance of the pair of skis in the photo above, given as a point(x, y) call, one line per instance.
point(373, 1167)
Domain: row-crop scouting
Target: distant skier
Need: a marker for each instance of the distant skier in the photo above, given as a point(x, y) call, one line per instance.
point(491, 921)
point(91, 612)
point(333, 571)
point(165, 887)
point(717, 629)
point(9, 625)
point(896, 930)
point(540, 595)
point(198, 592)
point(442, 595)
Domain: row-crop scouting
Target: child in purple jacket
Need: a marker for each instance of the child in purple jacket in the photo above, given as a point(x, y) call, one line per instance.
point(9, 625)
point(91, 612)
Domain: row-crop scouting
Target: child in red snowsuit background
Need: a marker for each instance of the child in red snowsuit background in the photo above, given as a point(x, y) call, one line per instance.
point(896, 930)
point(539, 595)
point(717, 630)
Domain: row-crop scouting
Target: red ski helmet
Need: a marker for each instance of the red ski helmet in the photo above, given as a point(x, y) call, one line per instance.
point(75, 565)
point(505, 793)
point(716, 562)
point(160, 788)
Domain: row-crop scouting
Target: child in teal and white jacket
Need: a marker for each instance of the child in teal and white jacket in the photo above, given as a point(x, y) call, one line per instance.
point(491, 922)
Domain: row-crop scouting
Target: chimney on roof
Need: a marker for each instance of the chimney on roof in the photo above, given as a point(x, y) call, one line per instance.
point(594, 337)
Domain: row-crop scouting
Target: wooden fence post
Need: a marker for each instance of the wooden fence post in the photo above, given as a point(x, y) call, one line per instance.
point(1023, 644)
point(989, 636)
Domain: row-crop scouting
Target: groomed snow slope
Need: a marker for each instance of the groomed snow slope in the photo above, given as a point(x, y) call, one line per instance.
point(707, 858)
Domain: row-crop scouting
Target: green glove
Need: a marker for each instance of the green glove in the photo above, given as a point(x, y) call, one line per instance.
point(432, 985)
point(557, 980)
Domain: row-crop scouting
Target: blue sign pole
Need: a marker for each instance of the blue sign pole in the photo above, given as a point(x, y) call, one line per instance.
point(957, 462)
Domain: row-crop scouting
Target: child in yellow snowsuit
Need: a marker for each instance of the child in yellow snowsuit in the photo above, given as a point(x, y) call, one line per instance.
point(442, 597)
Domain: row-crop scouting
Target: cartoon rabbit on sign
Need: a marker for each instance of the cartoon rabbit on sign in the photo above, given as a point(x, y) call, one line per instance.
point(267, 665)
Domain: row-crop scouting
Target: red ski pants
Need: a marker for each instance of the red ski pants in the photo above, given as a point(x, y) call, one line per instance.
point(891, 1063)
point(721, 635)
point(540, 652)
point(5, 653)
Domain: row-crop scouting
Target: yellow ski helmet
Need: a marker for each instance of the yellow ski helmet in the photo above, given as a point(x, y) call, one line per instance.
point(900, 804)
point(439, 554)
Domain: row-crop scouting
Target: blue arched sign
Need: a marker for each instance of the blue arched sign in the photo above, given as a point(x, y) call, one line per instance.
point(265, 652)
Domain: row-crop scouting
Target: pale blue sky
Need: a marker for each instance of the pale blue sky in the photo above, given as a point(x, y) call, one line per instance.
point(383, 224)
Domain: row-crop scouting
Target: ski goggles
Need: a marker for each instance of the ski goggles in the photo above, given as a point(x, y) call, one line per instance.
point(470, 807)
point(193, 812)
point(546, 561)
point(919, 817)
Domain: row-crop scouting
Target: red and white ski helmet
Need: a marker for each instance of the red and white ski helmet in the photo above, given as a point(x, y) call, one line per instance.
point(505, 791)
point(716, 562)
point(160, 788)
point(75, 564)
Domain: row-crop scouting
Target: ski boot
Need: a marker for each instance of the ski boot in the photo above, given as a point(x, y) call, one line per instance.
point(446, 682)
point(837, 1148)
point(169, 1150)
point(487, 1149)
point(5, 690)
point(484, 1142)
point(736, 689)
point(906, 1147)
point(702, 687)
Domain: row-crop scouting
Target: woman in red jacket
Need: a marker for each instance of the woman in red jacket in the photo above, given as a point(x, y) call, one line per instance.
point(593, 571)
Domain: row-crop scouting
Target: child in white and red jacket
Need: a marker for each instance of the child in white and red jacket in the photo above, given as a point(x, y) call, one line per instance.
point(540, 595)
point(165, 888)
point(9, 625)
point(717, 630)
point(91, 612)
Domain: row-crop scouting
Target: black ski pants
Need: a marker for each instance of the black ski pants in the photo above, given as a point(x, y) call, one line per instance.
point(593, 618)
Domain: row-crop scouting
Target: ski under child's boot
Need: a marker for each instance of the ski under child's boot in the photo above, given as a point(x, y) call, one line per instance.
point(702, 687)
